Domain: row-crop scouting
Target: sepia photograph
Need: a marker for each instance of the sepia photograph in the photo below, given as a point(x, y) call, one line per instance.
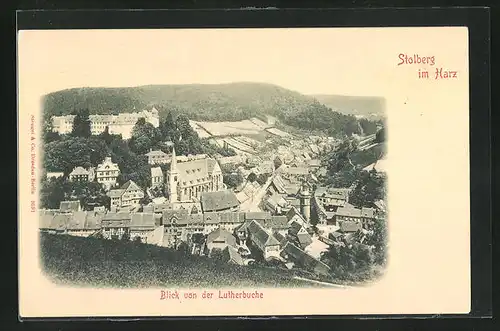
point(227, 164)
point(212, 185)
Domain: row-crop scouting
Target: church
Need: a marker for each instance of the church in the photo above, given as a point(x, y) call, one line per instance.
point(186, 180)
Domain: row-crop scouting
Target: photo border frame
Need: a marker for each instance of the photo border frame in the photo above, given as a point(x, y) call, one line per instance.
point(476, 19)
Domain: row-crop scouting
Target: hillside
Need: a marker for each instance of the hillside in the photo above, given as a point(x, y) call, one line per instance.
point(106, 263)
point(370, 107)
point(216, 102)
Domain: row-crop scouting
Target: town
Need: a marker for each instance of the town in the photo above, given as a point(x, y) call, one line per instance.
point(265, 204)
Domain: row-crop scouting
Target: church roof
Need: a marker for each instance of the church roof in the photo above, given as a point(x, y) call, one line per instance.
point(194, 171)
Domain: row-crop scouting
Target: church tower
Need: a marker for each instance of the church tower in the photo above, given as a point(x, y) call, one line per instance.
point(173, 178)
point(305, 202)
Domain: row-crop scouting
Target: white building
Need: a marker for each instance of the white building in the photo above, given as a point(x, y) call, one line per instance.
point(63, 124)
point(157, 157)
point(107, 173)
point(57, 174)
point(156, 177)
point(80, 174)
point(118, 124)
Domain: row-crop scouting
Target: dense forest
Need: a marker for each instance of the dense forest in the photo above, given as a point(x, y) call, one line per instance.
point(345, 165)
point(217, 102)
point(80, 148)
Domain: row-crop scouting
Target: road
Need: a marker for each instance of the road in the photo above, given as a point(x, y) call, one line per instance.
point(252, 204)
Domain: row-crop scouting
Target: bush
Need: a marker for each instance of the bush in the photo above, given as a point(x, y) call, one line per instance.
point(252, 177)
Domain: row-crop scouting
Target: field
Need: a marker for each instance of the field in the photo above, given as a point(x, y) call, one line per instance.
point(104, 263)
point(245, 127)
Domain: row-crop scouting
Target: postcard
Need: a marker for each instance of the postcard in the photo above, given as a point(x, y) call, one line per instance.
point(243, 172)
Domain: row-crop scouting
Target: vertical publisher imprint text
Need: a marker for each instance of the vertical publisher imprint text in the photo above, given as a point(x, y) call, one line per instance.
point(33, 161)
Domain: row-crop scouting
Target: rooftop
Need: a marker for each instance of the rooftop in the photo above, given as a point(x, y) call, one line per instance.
point(65, 206)
point(220, 200)
point(79, 171)
point(261, 236)
point(221, 234)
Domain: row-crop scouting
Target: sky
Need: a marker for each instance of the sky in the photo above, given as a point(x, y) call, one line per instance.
point(310, 61)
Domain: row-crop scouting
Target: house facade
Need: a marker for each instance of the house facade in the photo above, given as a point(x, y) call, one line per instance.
point(332, 198)
point(220, 239)
point(55, 174)
point(129, 194)
point(69, 206)
point(156, 177)
point(157, 157)
point(107, 173)
point(115, 225)
point(80, 174)
point(364, 216)
point(263, 241)
point(141, 225)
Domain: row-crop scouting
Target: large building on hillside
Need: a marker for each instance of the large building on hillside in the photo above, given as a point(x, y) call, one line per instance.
point(118, 124)
point(185, 181)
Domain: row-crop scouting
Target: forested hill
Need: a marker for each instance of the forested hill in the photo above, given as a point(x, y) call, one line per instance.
point(373, 107)
point(234, 101)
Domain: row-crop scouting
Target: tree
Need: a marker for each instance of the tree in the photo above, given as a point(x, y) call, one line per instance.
point(137, 240)
point(71, 152)
point(146, 200)
point(109, 138)
point(48, 134)
point(144, 137)
point(369, 127)
point(157, 192)
point(52, 192)
point(369, 188)
point(167, 128)
point(198, 238)
point(230, 176)
point(125, 236)
point(81, 124)
point(380, 136)
point(378, 239)
point(262, 179)
point(252, 177)
point(183, 248)
point(232, 180)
